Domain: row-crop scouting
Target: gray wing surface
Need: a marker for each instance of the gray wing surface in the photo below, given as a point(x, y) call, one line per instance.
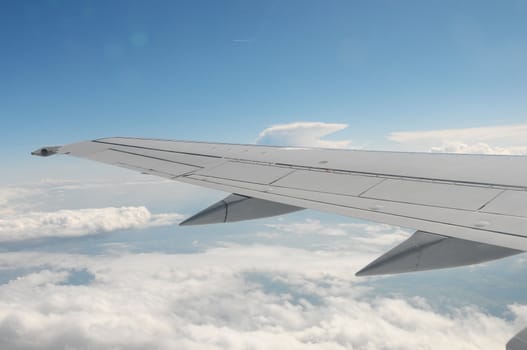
point(519, 341)
point(472, 199)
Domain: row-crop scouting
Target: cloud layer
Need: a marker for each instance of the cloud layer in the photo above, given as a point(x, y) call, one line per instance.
point(504, 139)
point(80, 222)
point(235, 297)
point(303, 134)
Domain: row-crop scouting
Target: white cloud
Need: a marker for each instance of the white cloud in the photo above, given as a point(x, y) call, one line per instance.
point(8, 194)
point(14, 199)
point(309, 226)
point(24, 197)
point(303, 134)
point(505, 132)
point(377, 237)
point(236, 297)
point(478, 148)
point(32, 210)
point(370, 238)
point(80, 222)
point(504, 139)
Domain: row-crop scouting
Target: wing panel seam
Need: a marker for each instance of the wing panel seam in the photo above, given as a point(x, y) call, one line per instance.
point(366, 173)
point(384, 213)
point(333, 193)
point(490, 200)
point(160, 150)
point(156, 158)
point(371, 187)
point(282, 177)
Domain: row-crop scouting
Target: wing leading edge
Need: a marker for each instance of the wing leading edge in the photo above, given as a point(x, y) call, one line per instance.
point(466, 208)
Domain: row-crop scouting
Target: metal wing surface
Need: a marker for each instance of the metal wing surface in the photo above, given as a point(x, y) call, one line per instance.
point(481, 199)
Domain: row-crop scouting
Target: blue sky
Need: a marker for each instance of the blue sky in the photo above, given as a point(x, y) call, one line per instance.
point(223, 71)
point(85, 246)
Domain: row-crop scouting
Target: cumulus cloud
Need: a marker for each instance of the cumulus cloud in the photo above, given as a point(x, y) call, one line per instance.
point(234, 297)
point(303, 134)
point(32, 211)
point(505, 139)
point(80, 222)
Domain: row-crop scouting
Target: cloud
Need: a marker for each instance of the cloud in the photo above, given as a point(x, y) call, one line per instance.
point(9, 194)
point(80, 222)
point(504, 139)
point(309, 226)
point(304, 134)
point(373, 235)
point(25, 195)
point(477, 148)
point(33, 210)
point(376, 237)
point(234, 297)
point(14, 199)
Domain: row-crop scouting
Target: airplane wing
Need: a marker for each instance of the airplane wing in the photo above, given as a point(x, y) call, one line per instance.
point(466, 208)
point(518, 342)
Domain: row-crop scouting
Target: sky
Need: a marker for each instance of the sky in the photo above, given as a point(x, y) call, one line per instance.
point(92, 257)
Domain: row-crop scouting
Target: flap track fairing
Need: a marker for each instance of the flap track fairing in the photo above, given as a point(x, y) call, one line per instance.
point(239, 208)
point(429, 251)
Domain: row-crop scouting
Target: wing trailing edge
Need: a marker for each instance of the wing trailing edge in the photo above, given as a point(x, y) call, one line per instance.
point(429, 251)
point(236, 207)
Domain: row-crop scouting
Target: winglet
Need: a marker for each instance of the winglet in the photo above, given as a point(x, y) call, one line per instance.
point(46, 151)
point(429, 251)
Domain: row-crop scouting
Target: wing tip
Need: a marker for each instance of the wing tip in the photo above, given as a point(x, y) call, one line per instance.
point(46, 151)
